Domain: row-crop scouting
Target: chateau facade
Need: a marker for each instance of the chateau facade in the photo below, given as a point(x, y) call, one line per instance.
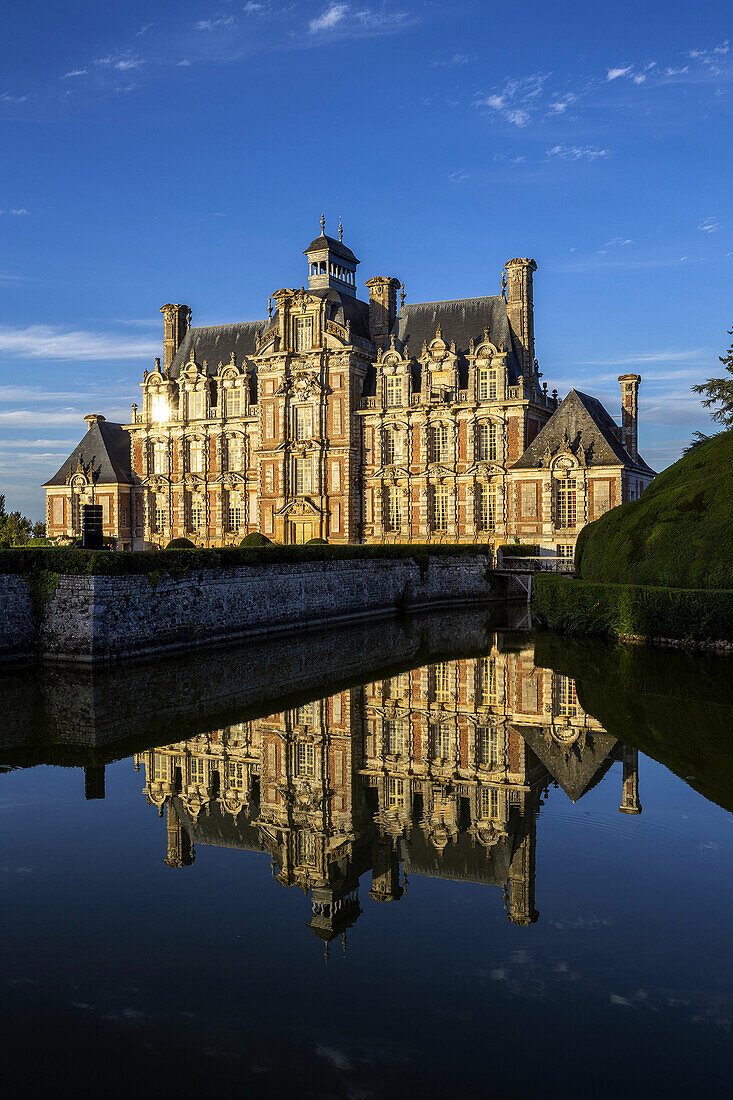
point(356, 421)
point(439, 771)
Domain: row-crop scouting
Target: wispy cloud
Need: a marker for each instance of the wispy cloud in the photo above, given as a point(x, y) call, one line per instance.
point(517, 100)
point(453, 61)
point(709, 225)
point(47, 342)
point(578, 152)
point(329, 18)
point(614, 74)
point(144, 29)
point(15, 212)
point(73, 73)
point(122, 62)
point(343, 19)
point(8, 97)
point(212, 24)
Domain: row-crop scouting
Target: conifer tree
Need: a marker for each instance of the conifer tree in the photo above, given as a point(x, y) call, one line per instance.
point(719, 391)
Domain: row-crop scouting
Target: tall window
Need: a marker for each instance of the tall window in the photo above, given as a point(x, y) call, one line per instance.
point(440, 508)
point(235, 775)
point(395, 793)
point(196, 456)
point(303, 421)
point(487, 387)
point(439, 443)
point(197, 511)
point(397, 686)
point(303, 333)
point(487, 682)
point(304, 716)
point(234, 511)
point(442, 682)
point(160, 457)
point(486, 507)
point(566, 499)
point(232, 453)
point(161, 511)
point(233, 401)
point(197, 405)
point(392, 449)
point(486, 441)
point(305, 758)
point(196, 771)
point(440, 738)
point(394, 737)
point(394, 391)
point(489, 802)
point(305, 849)
point(393, 519)
point(159, 408)
point(567, 700)
point(487, 746)
point(303, 476)
point(160, 767)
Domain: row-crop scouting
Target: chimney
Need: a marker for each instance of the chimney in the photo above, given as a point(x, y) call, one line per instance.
point(520, 308)
point(382, 307)
point(630, 803)
point(630, 413)
point(92, 420)
point(176, 320)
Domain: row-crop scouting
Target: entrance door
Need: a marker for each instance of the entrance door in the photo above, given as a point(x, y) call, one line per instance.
point(301, 532)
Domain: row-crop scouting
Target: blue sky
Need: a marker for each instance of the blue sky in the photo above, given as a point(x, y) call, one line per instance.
point(161, 151)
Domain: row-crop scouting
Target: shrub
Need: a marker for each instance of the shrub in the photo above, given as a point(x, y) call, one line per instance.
point(39, 542)
point(316, 542)
point(519, 550)
point(180, 544)
point(254, 538)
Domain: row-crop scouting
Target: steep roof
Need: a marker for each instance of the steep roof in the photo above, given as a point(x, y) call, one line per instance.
point(215, 344)
point(460, 320)
point(584, 420)
point(106, 447)
point(578, 767)
point(337, 247)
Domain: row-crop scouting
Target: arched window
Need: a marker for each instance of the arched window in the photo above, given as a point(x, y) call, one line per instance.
point(486, 448)
point(439, 443)
point(394, 391)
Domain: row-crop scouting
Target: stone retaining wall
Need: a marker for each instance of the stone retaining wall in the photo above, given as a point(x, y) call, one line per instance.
point(107, 618)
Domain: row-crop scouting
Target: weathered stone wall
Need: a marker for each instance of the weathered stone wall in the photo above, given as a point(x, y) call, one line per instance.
point(18, 623)
point(106, 618)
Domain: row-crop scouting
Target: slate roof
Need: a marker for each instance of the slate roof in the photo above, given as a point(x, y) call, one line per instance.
point(461, 861)
point(585, 421)
point(107, 447)
point(576, 770)
point(216, 343)
point(337, 247)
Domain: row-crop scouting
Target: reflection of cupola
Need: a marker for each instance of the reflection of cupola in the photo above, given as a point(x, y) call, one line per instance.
point(331, 263)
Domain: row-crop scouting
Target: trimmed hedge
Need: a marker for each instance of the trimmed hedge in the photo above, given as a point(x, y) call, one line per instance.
point(181, 544)
point(585, 607)
point(255, 538)
point(64, 561)
point(519, 550)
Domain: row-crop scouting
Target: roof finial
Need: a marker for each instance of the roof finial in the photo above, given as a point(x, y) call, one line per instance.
point(323, 223)
point(269, 308)
point(341, 230)
point(402, 295)
point(503, 284)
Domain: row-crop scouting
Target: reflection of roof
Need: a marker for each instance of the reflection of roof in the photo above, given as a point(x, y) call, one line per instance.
point(584, 420)
point(106, 447)
point(218, 828)
point(463, 860)
point(337, 247)
point(577, 770)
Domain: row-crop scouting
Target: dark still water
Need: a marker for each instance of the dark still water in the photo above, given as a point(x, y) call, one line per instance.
point(429, 857)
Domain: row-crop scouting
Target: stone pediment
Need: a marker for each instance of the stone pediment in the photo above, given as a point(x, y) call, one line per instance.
point(440, 469)
point(194, 482)
point(300, 507)
point(487, 469)
point(231, 477)
point(157, 483)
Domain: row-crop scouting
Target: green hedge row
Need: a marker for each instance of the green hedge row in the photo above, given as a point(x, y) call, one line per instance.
point(520, 550)
point(64, 561)
point(586, 607)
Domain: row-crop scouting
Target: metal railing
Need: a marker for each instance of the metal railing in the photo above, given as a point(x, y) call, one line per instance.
point(535, 564)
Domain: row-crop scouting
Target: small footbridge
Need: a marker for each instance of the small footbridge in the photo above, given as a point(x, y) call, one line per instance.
point(519, 571)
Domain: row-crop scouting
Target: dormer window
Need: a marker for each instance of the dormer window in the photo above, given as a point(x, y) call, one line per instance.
point(394, 391)
point(303, 333)
point(197, 405)
point(233, 401)
point(487, 384)
point(159, 408)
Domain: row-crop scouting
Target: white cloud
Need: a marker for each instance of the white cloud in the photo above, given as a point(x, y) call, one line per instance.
point(122, 62)
point(212, 24)
point(455, 59)
point(329, 18)
point(560, 105)
point(184, 62)
point(6, 97)
point(47, 342)
point(578, 152)
point(614, 74)
point(144, 30)
point(709, 225)
point(638, 78)
point(74, 72)
point(517, 101)
point(618, 242)
point(677, 72)
point(458, 176)
point(16, 212)
point(255, 9)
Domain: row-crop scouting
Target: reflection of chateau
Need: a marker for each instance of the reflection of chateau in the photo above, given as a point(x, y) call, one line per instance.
point(438, 771)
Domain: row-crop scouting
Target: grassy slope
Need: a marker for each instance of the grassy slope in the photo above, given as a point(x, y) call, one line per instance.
point(678, 534)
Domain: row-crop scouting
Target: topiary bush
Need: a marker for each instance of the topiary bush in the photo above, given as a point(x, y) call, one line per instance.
point(316, 542)
point(180, 544)
point(254, 538)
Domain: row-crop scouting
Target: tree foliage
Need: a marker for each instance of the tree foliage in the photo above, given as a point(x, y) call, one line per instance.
point(16, 529)
point(719, 391)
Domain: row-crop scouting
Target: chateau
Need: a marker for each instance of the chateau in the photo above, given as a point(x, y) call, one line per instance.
point(355, 421)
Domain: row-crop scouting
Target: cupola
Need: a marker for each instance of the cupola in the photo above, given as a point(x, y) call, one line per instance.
point(331, 263)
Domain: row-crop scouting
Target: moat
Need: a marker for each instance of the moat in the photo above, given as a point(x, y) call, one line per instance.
point(434, 854)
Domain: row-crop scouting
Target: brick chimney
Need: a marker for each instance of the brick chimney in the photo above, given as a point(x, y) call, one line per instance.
point(630, 413)
point(382, 307)
point(176, 320)
point(520, 308)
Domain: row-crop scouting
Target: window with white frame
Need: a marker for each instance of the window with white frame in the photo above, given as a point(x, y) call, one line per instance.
point(440, 736)
point(487, 681)
point(235, 775)
point(160, 457)
point(442, 682)
point(392, 447)
point(232, 453)
point(566, 502)
point(394, 390)
point(303, 476)
point(394, 737)
point(197, 405)
point(196, 456)
point(440, 508)
point(567, 700)
point(161, 770)
point(305, 849)
point(303, 417)
point(395, 793)
point(393, 517)
point(486, 441)
point(303, 333)
point(159, 408)
point(234, 511)
point(489, 803)
point(487, 746)
point(305, 758)
point(197, 511)
point(196, 771)
point(160, 511)
point(233, 401)
point(439, 443)
point(487, 384)
point(486, 507)
point(304, 716)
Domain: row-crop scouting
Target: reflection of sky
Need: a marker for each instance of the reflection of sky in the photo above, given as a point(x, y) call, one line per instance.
point(213, 965)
